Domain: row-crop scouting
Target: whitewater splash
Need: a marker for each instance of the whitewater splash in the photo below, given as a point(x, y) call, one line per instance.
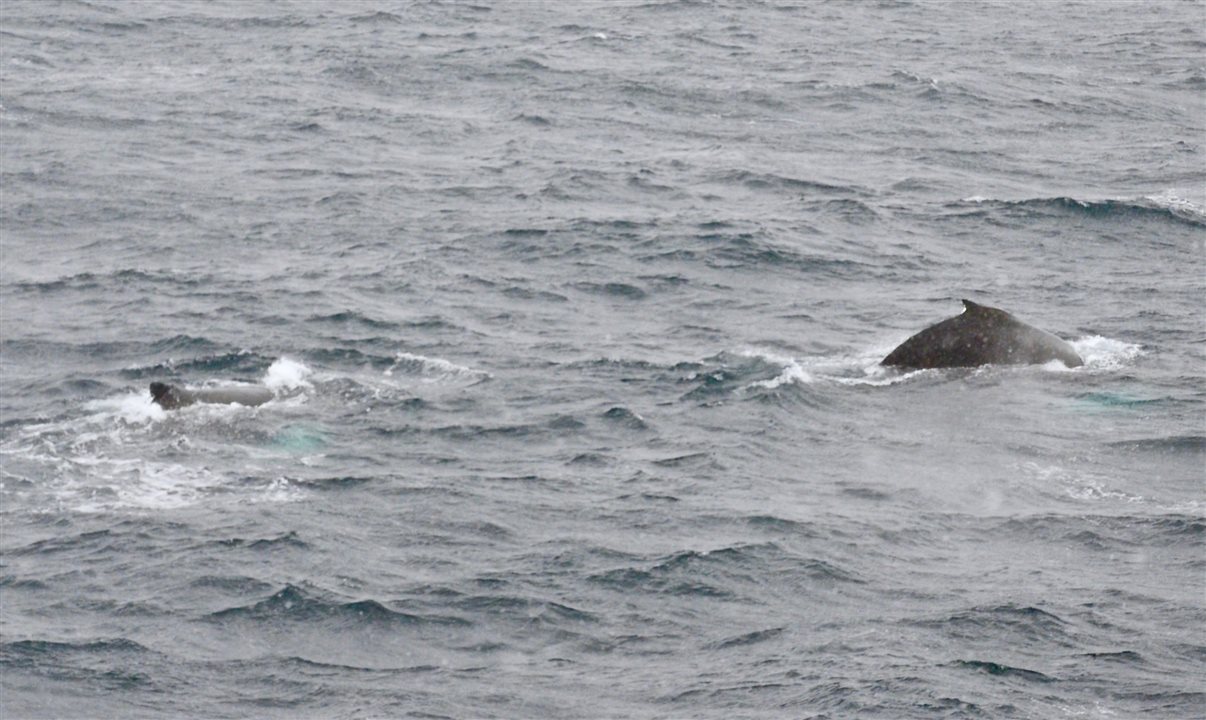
point(862, 369)
point(286, 374)
point(126, 452)
point(1105, 354)
point(1179, 203)
point(793, 371)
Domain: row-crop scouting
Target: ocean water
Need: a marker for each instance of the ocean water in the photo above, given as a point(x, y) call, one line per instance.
point(573, 312)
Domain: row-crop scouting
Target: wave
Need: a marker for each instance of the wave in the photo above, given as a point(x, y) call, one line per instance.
point(240, 362)
point(771, 181)
point(228, 24)
point(623, 291)
point(376, 18)
point(235, 584)
point(474, 433)
point(792, 371)
point(750, 638)
point(1169, 205)
point(626, 418)
point(175, 344)
point(1109, 532)
point(97, 540)
point(732, 250)
point(993, 668)
point(527, 609)
point(1124, 657)
point(289, 540)
point(125, 278)
point(351, 317)
point(1017, 625)
point(294, 604)
point(108, 665)
point(637, 367)
point(722, 572)
point(335, 482)
point(747, 370)
point(1188, 444)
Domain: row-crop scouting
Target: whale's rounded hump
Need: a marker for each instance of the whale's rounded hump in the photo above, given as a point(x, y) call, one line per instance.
point(170, 397)
point(249, 395)
point(981, 335)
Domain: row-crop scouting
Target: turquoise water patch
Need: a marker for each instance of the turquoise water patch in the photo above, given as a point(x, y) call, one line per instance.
point(299, 439)
point(1104, 400)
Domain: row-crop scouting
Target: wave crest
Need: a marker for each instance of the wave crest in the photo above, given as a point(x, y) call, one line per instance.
point(1169, 205)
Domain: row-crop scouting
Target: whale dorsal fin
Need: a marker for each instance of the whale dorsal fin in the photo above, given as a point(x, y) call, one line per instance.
point(984, 311)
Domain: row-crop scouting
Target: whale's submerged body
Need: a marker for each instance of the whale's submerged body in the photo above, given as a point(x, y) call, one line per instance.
point(981, 335)
point(170, 397)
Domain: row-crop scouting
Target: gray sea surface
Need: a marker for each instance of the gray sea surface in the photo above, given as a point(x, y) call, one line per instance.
point(573, 314)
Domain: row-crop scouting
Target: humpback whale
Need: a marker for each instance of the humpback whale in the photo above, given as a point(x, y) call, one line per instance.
point(170, 397)
point(981, 335)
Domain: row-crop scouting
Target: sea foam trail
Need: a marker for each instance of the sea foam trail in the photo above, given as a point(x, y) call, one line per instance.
point(432, 370)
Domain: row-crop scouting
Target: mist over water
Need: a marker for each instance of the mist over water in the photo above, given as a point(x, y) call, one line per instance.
point(572, 314)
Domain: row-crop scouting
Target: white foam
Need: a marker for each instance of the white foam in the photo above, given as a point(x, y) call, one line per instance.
point(1102, 353)
point(842, 369)
point(1089, 489)
point(876, 376)
point(111, 483)
point(286, 374)
point(134, 408)
point(1080, 486)
point(279, 490)
point(1179, 202)
point(793, 372)
point(432, 369)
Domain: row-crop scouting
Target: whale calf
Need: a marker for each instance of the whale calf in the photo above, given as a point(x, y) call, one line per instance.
point(170, 397)
point(981, 335)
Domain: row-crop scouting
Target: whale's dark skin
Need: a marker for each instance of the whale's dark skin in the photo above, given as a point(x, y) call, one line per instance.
point(170, 397)
point(982, 335)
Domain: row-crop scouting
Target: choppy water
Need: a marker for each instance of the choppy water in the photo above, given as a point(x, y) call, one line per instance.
point(573, 311)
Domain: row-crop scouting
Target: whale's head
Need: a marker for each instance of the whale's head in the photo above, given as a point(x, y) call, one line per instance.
point(165, 395)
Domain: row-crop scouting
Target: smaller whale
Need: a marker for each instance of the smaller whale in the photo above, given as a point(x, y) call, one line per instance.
point(981, 335)
point(170, 397)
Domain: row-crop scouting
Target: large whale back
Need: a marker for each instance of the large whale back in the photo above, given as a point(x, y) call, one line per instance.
point(982, 335)
point(171, 397)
